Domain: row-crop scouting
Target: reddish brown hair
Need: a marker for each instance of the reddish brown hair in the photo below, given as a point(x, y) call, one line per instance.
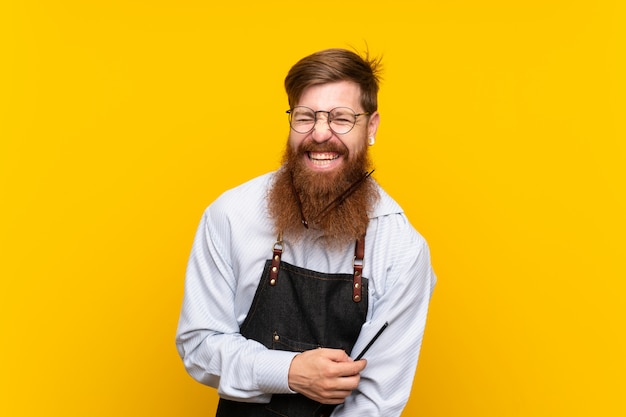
point(332, 65)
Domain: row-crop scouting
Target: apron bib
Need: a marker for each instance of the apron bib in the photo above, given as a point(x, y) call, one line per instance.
point(297, 309)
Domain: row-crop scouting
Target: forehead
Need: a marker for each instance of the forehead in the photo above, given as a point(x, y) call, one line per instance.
point(330, 95)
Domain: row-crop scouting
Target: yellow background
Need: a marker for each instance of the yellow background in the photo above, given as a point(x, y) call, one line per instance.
point(502, 135)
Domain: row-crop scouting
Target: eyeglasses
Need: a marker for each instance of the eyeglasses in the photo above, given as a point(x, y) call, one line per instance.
point(341, 120)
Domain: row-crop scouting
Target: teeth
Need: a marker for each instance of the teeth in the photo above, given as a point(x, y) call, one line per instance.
point(323, 156)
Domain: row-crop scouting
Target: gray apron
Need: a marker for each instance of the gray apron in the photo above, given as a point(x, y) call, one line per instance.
point(297, 309)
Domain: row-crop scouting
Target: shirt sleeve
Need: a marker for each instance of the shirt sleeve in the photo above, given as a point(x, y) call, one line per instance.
point(403, 302)
point(208, 339)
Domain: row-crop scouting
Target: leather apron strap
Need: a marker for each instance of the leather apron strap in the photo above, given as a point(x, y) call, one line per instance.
point(359, 253)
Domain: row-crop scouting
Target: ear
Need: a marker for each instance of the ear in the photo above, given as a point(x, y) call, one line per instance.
point(372, 125)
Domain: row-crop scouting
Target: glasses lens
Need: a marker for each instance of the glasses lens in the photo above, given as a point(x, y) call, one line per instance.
point(302, 119)
point(342, 120)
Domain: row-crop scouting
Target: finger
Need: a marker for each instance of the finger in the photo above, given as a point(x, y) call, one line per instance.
point(336, 397)
point(346, 369)
point(347, 383)
point(336, 355)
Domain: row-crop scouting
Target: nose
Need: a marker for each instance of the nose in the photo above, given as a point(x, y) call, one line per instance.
point(321, 131)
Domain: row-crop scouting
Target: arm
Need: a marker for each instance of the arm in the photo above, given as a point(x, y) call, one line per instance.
point(402, 299)
point(208, 339)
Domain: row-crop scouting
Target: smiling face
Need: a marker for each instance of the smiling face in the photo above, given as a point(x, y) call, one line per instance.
point(321, 165)
point(322, 150)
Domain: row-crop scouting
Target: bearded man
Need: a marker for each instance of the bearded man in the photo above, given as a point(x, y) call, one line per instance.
point(293, 273)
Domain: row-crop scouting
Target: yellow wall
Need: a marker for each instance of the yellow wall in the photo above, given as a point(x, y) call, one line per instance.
point(503, 129)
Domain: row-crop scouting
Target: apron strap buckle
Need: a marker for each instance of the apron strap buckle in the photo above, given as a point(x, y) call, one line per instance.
point(359, 253)
point(277, 252)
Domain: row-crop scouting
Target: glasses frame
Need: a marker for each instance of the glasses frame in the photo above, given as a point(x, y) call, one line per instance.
point(328, 119)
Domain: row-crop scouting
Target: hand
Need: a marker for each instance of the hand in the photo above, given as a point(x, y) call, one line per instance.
point(327, 376)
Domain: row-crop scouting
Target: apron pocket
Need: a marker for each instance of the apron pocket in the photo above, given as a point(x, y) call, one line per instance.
point(281, 342)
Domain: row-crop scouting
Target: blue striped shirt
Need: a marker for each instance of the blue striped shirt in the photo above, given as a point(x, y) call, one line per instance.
point(233, 241)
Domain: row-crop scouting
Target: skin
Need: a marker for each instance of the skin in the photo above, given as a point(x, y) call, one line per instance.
point(326, 97)
point(327, 376)
point(330, 375)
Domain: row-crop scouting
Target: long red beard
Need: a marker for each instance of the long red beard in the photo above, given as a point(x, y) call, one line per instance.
point(316, 190)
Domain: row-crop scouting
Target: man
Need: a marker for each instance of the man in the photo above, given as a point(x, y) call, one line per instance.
point(293, 273)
